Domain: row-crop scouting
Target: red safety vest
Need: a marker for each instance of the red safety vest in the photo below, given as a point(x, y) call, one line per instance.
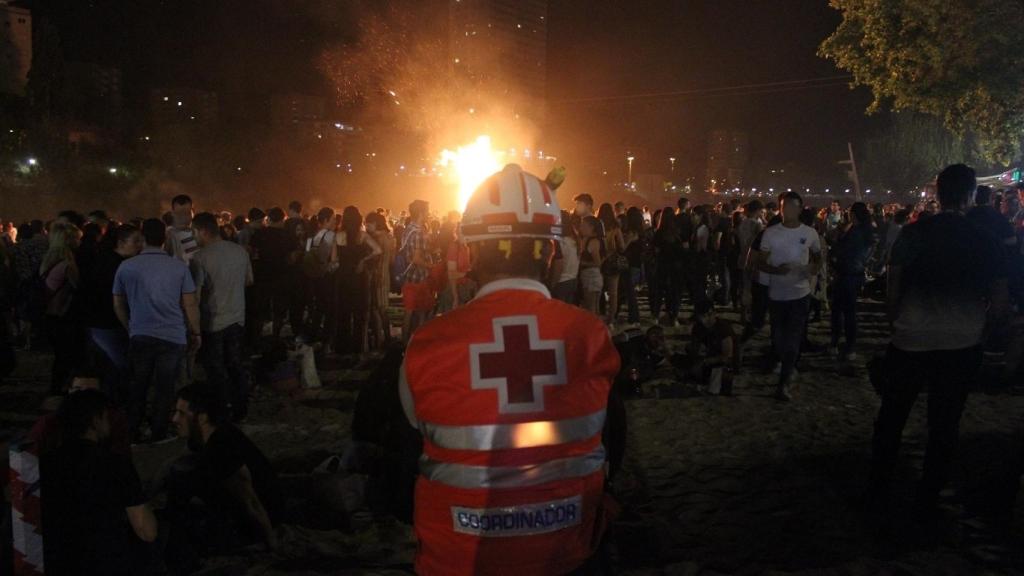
point(510, 394)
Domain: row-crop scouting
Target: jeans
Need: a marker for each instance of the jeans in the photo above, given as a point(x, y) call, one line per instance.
point(322, 314)
point(221, 356)
point(156, 363)
point(654, 287)
point(844, 309)
point(789, 322)
point(758, 307)
point(567, 291)
point(671, 278)
point(948, 374)
point(633, 279)
point(113, 343)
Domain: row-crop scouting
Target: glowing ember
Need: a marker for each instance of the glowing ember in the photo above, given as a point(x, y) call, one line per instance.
point(469, 166)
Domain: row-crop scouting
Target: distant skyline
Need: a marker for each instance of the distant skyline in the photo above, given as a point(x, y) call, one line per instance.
point(248, 50)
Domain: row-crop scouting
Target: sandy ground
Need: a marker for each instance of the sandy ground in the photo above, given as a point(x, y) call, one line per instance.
point(711, 485)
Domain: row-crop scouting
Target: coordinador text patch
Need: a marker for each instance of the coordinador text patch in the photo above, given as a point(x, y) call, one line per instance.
point(524, 520)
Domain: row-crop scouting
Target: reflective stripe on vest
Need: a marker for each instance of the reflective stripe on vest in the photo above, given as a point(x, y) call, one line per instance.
point(520, 435)
point(470, 477)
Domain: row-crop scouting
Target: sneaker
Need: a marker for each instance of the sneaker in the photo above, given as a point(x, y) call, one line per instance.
point(784, 394)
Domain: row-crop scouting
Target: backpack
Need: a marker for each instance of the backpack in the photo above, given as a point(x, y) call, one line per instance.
point(312, 265)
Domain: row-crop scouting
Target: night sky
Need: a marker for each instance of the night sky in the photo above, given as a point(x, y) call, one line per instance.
point(658, 46)
point(248, 49)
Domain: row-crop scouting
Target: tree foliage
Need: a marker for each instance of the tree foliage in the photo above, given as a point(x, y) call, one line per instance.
point(959, 60)
point(911, 150)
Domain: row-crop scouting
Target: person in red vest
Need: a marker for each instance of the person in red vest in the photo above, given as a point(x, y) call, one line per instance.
point(510, 393)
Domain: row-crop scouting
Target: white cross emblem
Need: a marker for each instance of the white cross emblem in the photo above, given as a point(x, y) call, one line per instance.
point(518, 364)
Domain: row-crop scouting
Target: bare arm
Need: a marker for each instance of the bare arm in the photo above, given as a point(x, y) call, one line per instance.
point(594, 248)
point(239, 486)
point(375, 249)
point(453, 281)
point(190, 304)
point(814, 263)
point(557, 267)
point(121, 309)
point(143, 522)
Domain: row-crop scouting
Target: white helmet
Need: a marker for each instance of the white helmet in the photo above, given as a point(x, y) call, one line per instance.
point(512, 204)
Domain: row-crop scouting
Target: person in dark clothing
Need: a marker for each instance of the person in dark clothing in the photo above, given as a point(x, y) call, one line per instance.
point(714, 350)
point(670, 250)
point(983, 215)
point(105, 331)
point(355, 250)
point(274, 251)
point(850, 254)
point(946, 284)
point(242, 500)
point(95, 517)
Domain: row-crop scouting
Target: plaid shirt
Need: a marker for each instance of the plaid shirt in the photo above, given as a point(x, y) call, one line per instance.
point(414, 240)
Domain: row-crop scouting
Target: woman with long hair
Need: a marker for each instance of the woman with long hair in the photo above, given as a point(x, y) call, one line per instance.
point(669, 245)
point(60, 277)
point(615, 245)
point(355, 249)
point(379, 271)
point(592, 255)
point(636, 248)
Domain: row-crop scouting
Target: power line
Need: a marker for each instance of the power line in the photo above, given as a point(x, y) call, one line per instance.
point(744, 90)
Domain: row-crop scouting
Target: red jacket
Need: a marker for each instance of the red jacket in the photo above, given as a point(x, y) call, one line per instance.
point(510, 394)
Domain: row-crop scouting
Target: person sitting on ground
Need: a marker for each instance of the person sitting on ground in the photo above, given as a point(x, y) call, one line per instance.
point(242, 497)
point(714, 350)
point(95, 516)
point(47, 433)
point(641, 354)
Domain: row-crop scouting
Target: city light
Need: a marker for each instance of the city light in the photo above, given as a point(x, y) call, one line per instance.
point(32, 161)
point(112, 170)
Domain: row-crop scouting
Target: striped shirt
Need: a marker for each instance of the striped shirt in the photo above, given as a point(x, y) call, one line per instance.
point(181, 243)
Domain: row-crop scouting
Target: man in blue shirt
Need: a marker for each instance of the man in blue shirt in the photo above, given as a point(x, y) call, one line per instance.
point(155, 300)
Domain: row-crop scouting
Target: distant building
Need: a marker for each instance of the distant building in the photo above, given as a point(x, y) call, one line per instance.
point(498, 48)
point(305, 119)
point(15, 48)
point(177, 106)
point(291, 109)
point(728, 159)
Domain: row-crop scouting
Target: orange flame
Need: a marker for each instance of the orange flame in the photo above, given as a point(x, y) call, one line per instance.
point(468, 166)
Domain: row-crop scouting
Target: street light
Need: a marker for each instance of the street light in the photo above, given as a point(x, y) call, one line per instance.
point(629, 159)
point(672, 160)
point(32, 161)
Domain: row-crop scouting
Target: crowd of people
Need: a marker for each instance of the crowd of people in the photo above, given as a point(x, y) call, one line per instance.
point(131, 310)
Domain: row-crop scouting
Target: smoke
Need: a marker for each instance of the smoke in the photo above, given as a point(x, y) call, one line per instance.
point(400, 74)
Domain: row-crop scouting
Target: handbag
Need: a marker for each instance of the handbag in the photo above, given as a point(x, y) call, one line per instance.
point(614, 265)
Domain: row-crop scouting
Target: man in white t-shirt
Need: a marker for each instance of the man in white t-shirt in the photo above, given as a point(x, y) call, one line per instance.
point(790, 254)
